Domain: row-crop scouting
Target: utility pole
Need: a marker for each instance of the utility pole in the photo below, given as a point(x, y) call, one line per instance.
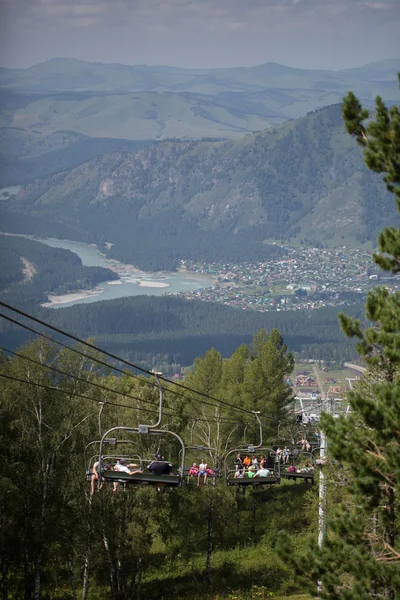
point(322, 501)
point(322, 493)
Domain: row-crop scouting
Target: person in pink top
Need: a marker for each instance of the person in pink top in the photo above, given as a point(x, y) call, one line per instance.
point(194, 470)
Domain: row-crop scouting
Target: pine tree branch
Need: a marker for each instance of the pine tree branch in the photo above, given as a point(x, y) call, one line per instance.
point(390, 556)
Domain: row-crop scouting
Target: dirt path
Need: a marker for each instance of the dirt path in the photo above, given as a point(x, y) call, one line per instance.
point(318, 379)
point(29, 269)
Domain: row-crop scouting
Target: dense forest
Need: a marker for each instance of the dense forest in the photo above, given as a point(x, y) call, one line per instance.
point(156, 331)
point(59, 541)
point(47, 270)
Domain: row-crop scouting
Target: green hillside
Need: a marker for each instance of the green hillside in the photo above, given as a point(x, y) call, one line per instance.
point(141, 103)
point(146, 115)
point(213, 200)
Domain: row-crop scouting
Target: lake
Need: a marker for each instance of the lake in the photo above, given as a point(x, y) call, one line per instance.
point(132, 282)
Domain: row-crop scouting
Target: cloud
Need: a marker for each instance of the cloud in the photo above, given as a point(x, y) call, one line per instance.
point(258, 13)
point(376, 5)
point(200, 32)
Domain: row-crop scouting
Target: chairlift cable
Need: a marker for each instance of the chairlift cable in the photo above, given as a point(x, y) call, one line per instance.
point(77, 378)
point(97, 360)
point(105, 388)
point(62, 391)
point(113, 356)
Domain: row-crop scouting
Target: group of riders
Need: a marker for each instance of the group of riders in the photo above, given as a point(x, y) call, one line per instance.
point(246, 467)
point(159, 466)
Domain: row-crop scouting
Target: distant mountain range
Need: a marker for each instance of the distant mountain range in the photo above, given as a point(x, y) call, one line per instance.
point(67, 75)
point(304, 180)
point(142, 102)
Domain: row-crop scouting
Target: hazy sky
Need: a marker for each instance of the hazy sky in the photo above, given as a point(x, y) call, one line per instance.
point(201, 33)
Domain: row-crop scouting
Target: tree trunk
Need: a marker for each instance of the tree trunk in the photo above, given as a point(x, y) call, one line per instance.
point(254, 512)
point(389, 535)
point(72, 575)
point(121, 580)
point(88, 554)
point(140, 577)
point(210, 517)
point(37, 579)
point(4, 580)
point(114, 590)
point(238, 509)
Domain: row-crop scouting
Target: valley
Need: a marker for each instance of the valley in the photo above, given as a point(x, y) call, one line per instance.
point(301, 182)
point(200, 300)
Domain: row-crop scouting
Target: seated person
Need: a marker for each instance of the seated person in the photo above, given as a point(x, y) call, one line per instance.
point(240, 473)
point(96, 474)
point(263, 461)
point(254, 461)
point(286, 454)
point(247, 461)
point(122, 468)
point(251, 472)
point(263, 473)
point(308, 468)
point(194, 470)
point(160, 467)
point(238, 461)
point(202, 472)
point(291, 469)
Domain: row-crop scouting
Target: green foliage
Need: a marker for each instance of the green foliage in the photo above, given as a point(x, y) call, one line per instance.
point(56, 540)
point(381, 142)
point(359, 557)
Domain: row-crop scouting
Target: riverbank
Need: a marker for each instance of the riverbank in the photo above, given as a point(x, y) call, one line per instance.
point(153, 284)
point(73, 297)
point(131, 280)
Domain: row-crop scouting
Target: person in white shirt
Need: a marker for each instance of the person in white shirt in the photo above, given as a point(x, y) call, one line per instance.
point(122, 468)
point(263, 473)
point(202, 472)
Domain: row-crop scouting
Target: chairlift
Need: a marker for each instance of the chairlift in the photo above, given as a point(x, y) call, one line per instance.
point(200, 448)
point(142, 478)
point(298, 457)
point(243, 482)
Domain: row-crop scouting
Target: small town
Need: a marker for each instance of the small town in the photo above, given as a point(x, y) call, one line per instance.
point(305, 279)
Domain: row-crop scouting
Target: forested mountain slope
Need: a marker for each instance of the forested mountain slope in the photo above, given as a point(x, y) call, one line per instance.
point(26, 156)
point(214, 200)
point(30, 270)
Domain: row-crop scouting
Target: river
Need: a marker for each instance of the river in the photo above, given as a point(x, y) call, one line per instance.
point(132, 282)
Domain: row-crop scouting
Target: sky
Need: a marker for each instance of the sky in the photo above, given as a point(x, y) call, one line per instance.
point(327, 34)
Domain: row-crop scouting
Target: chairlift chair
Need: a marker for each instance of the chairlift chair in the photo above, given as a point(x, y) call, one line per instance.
point(143, 478)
